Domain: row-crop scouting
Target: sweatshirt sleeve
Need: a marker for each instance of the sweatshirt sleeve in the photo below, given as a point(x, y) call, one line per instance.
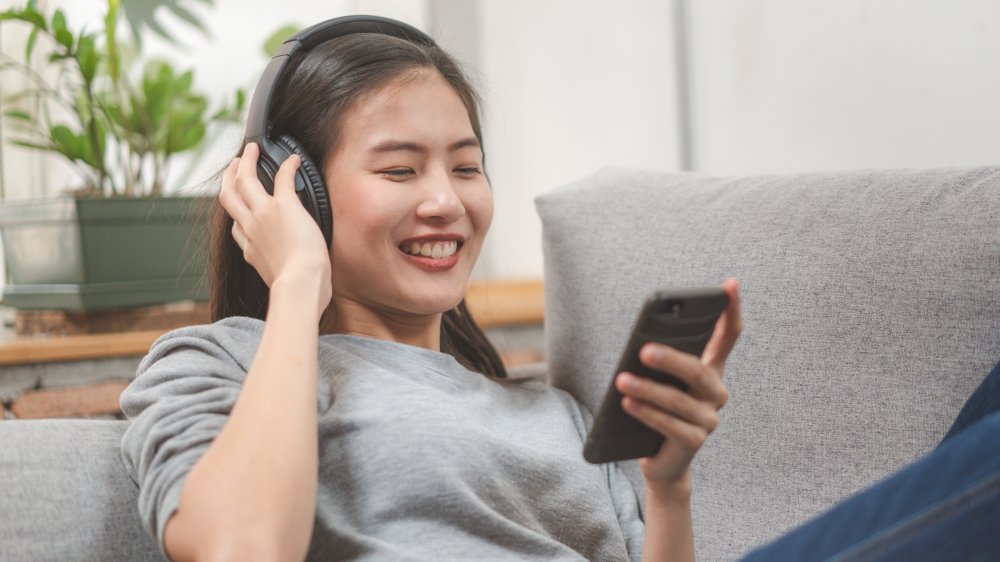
point(179, 401)
point(623, 494)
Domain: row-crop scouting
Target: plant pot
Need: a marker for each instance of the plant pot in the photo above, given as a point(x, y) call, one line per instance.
point(96, 254)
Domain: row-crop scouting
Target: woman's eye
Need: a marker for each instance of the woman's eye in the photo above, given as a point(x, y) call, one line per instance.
point(398, 172)
point(468, 171)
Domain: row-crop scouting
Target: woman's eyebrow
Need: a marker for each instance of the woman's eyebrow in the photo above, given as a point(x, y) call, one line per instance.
point(406, 146)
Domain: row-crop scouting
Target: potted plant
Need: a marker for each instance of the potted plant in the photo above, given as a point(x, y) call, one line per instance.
point(115, 240)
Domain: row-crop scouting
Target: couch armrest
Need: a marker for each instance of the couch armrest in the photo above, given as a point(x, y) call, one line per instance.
point(65, 494)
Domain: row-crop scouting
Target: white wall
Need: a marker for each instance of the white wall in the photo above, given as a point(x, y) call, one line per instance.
point(793, 85)
point(570, 87)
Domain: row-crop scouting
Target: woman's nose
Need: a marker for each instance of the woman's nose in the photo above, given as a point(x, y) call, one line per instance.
point(441, 202)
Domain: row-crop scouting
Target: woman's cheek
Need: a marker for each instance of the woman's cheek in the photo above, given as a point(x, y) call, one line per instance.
point(483, 211)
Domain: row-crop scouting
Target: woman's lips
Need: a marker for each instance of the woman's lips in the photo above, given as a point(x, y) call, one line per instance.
point(432, 254)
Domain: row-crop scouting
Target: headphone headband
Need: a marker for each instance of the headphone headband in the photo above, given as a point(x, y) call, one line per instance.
point(257, 118)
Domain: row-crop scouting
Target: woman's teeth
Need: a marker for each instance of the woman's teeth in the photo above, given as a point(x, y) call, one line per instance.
point(435, 250)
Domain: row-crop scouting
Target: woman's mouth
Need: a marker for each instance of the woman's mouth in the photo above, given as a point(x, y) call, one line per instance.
point(433, 250)
point(432, 255)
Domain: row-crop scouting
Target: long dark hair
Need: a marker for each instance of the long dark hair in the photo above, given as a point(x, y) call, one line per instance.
point(321, 86)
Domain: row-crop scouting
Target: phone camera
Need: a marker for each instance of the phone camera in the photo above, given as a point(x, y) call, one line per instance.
point(671, 308)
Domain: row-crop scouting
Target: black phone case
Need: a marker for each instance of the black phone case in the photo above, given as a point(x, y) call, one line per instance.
point(616, 435)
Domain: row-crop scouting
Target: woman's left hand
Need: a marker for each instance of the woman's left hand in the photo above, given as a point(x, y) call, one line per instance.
point(684, 418)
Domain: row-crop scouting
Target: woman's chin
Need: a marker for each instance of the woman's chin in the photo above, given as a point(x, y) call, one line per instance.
point(438, 305)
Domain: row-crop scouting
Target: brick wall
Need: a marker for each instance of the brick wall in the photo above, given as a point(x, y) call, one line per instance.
point(65, 389)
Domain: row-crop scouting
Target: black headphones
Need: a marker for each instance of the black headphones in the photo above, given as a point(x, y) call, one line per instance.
point(308, 180)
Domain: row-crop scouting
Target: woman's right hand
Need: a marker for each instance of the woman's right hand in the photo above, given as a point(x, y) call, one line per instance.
point(277, 235)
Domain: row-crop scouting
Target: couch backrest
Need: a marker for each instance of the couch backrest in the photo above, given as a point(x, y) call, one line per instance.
point(871, 303)
point(65, 495)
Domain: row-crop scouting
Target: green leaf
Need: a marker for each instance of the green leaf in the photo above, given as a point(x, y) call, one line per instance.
point(88, 155)
point(157, 86)
point(31, 45)
point(17, 114)
point(187, 125)
point(182, 86)
point(87, 55)
point(185, 138)
point(33, 145)
point(116, 114)
point(28, 14)
point(66, 142)
point(62, 34)
point(142, 15)
point(111, 39)
point(278, 37)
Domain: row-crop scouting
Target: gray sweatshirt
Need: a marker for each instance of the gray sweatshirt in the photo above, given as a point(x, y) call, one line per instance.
point(419, 458)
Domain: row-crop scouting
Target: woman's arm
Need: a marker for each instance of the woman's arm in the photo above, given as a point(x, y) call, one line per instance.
point(252, 495)
point(685, 419)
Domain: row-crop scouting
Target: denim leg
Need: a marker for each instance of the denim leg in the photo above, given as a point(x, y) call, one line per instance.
point(984, 401)
point(946, 506)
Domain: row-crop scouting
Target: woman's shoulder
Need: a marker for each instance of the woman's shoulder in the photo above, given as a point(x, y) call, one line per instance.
point(229, 334)
point(223, 348)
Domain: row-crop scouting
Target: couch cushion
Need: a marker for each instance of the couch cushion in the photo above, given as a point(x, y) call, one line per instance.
point(871, 302)
point(65, 495)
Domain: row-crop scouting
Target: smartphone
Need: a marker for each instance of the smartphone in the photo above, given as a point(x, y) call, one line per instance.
point(682, 319)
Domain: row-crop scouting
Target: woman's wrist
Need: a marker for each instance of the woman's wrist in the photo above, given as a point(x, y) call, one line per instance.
point(670, 492)
point(312, 289)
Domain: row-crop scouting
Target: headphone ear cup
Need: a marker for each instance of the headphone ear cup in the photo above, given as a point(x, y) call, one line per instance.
point(314, 197)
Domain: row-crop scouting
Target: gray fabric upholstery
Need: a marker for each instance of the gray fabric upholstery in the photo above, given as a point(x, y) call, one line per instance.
point(871, 303)
point(64, 493)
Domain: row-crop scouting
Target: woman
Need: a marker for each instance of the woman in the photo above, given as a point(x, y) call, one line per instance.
point(368, 416)
point(379, 444)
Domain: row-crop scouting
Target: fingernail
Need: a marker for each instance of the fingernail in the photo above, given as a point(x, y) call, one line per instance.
point(654, 353)
point(629, 381)
point(629, 404)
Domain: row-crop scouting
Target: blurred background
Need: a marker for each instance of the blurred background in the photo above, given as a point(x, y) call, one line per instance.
point(713, 86)
point(720, 87)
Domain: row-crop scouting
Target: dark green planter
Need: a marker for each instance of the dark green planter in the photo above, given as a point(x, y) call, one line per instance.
point(94, 254)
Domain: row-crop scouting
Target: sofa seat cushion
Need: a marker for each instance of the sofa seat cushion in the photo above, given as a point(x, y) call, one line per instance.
point(65, 494)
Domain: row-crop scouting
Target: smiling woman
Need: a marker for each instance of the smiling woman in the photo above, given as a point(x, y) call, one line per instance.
point(411, 173)
point(344, 404)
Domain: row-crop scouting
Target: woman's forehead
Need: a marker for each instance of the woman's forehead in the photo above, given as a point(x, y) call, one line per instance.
point(418, 108)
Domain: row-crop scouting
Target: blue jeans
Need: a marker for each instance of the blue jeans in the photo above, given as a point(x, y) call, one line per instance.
point(945, 506)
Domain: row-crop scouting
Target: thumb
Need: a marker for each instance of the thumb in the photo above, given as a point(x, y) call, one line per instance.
point(284, 180)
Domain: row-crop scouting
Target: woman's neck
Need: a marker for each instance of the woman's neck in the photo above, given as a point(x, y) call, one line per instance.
point(350, 317)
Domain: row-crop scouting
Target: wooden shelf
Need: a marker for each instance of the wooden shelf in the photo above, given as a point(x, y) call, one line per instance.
point(47, 349)
point(507, 303)
point(491, 304)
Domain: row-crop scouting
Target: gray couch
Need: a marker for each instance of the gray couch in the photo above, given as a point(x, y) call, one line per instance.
point(872, 309)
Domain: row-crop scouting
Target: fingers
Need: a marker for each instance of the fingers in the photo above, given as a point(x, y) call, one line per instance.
point(727, 329)
point(230, 198)
point(690, 436)
point(240, 238)
point(284, 180)
point(247, 184)
point(703, 382)
point(241, 189)
point(670, 400)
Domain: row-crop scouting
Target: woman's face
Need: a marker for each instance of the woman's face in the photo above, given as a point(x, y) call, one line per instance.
point(410, 203)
